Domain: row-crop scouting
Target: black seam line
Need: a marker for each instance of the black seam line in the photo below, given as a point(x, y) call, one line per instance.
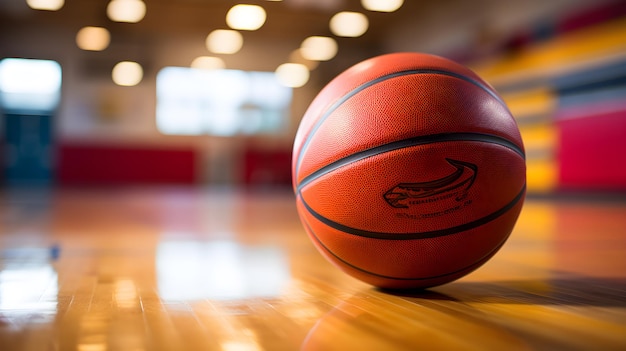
point(362, 87)
point(400, 144)
point(418, 235)
point(475, 264)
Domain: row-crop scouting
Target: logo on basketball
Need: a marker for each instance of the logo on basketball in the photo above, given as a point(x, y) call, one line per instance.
point(454, 185)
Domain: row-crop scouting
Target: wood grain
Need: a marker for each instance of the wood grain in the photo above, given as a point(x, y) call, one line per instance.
point(196, 269)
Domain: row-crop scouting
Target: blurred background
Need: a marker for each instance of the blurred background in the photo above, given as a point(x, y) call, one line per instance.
point(210, 92)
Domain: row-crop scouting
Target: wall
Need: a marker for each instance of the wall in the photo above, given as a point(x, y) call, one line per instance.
point(566, 85)
point(96, 113)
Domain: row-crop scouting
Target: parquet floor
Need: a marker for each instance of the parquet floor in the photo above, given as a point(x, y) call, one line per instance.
point(140, 269)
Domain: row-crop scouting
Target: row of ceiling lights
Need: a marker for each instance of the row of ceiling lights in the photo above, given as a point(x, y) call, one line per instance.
point(130, 11)
point(295, 73)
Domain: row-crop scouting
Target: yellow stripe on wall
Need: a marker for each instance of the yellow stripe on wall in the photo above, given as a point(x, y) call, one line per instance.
point(539, 139)
point(541, 175)
point(562, 54)
point(541, 142)
point(531, 103)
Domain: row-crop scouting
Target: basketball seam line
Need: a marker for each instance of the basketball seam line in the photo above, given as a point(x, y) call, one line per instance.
point(404, 143)
point(477, 263)
point(363, 86)
point(415, 235)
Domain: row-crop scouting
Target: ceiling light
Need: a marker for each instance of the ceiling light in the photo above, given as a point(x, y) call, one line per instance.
point(127, 73)
point(224, 41)
point(297, 57)
point(293, 75)
point(349, 24)
point(382, 5)
point(48, 5)
point(319, 48)
point(130, 11)
point(246, 17)
point(208, 62)
point(93, 38)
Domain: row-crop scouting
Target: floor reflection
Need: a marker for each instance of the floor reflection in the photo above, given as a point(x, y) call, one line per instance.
point(219, 270)
point(28, 282)
point(424, 325)
point(124, 278)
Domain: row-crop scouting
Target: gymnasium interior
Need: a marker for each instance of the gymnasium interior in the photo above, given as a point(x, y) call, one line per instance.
point(146, 197)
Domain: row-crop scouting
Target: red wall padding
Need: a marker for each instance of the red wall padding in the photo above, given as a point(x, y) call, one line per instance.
point(262, 167)
point(102, 164)
point(592, 151)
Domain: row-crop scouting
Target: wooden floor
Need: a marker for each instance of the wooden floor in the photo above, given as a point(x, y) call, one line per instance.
point(195, 269)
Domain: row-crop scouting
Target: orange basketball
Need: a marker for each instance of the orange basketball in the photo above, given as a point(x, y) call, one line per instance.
point(409, 171)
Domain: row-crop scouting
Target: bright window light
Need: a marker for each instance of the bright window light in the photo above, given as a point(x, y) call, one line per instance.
point(31, 288)
point(28, 84)
point(220, 102)
point(220, 270)
point(29, 76)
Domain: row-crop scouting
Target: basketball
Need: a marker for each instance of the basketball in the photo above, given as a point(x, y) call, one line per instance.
point(408, 170)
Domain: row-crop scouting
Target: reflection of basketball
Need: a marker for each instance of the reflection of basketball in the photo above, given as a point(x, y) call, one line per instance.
point(409, 171)
point(352, 326)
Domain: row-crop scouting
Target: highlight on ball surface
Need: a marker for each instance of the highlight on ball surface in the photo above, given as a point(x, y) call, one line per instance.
point(409, 171)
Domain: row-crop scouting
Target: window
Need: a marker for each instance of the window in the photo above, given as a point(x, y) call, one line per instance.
point(220, 102)
point(29, 85)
